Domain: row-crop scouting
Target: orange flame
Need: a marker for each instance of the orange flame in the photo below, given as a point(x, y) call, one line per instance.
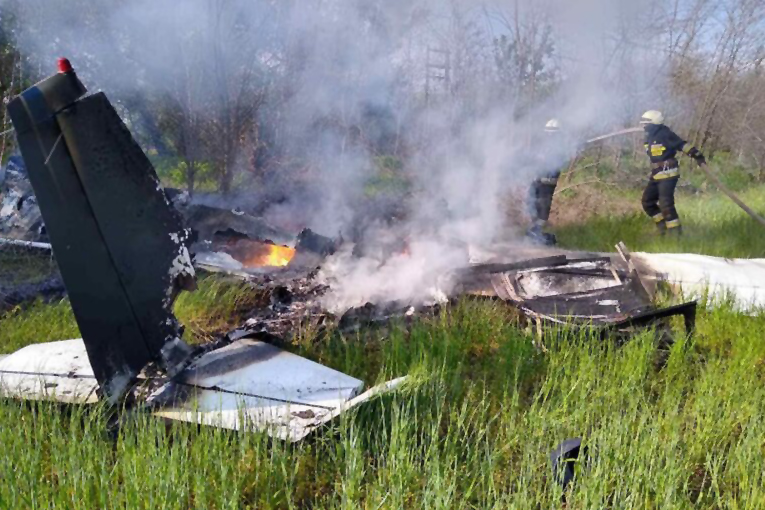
point(258, 254)
point(278, 256)
point(270, 255)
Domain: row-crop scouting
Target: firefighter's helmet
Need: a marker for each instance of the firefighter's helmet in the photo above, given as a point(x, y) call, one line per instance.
point(652, 117)
point(552, 126)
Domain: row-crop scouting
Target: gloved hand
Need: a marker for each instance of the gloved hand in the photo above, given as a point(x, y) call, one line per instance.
point(698, 156)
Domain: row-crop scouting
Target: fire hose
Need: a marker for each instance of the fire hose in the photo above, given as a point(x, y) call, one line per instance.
point(731, 195)
point(616, 133)
point(703, 167)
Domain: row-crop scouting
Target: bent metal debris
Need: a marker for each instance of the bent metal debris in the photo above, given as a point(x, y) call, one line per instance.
point(125, 251)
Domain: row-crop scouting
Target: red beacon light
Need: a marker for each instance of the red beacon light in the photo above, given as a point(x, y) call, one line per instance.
point(64, 88)
point(64, 66)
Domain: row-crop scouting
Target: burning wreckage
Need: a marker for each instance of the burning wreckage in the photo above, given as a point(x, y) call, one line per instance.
point(124, 254)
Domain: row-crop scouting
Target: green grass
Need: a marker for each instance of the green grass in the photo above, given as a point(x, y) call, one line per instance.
point(217, 306)
point(712, 225)
point(595, 216)
point(473, 427)
point(37, 323)
point(472, 430)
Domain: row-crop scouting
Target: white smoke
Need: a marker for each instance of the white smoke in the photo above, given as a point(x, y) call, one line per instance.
point(472, 140)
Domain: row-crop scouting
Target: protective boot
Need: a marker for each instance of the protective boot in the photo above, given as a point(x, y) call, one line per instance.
point(674, 228)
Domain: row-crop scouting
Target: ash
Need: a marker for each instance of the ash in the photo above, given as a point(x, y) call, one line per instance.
point(297, 306)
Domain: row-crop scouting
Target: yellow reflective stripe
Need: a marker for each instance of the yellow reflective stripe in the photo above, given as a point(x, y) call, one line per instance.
point(673, 223)
point(658, 218)
point(666, 174)
point(657, 150)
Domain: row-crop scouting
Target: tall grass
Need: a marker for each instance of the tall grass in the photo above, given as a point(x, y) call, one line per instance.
point(472, 429)
point(36, 323)
point(712, 225)
point(217, 306)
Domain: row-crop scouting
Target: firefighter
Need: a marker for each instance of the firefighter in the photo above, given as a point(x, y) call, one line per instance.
point(542, 190)
point(662, 145)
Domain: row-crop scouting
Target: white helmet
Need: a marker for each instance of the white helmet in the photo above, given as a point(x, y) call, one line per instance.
point(552, 126)
point(652, 117)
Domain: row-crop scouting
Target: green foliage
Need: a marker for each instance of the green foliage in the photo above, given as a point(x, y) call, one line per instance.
point(525, 62)
point(24, 266)
point(172, 173)
point(633, 170)
point(734, 175)
point(390, 164)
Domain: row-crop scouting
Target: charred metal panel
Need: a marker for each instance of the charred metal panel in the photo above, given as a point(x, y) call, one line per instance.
point(651, 317)
point(120, 249)
point(564, 459)
point(144, 234)
point(586, 292)
point(211, 223)
point(554, 261)
point(102, 310)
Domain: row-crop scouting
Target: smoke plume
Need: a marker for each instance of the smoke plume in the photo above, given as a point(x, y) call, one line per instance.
point(341, 85)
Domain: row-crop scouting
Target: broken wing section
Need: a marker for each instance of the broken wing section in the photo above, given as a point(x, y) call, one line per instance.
point(740, 281)
point(57, 371)
point(254, 385)
point(246, 385)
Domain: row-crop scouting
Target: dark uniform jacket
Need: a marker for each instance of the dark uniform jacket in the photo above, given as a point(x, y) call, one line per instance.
point(662, 145)
point(551, 165)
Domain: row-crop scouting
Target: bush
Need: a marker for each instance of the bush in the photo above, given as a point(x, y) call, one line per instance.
point(172, 173)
